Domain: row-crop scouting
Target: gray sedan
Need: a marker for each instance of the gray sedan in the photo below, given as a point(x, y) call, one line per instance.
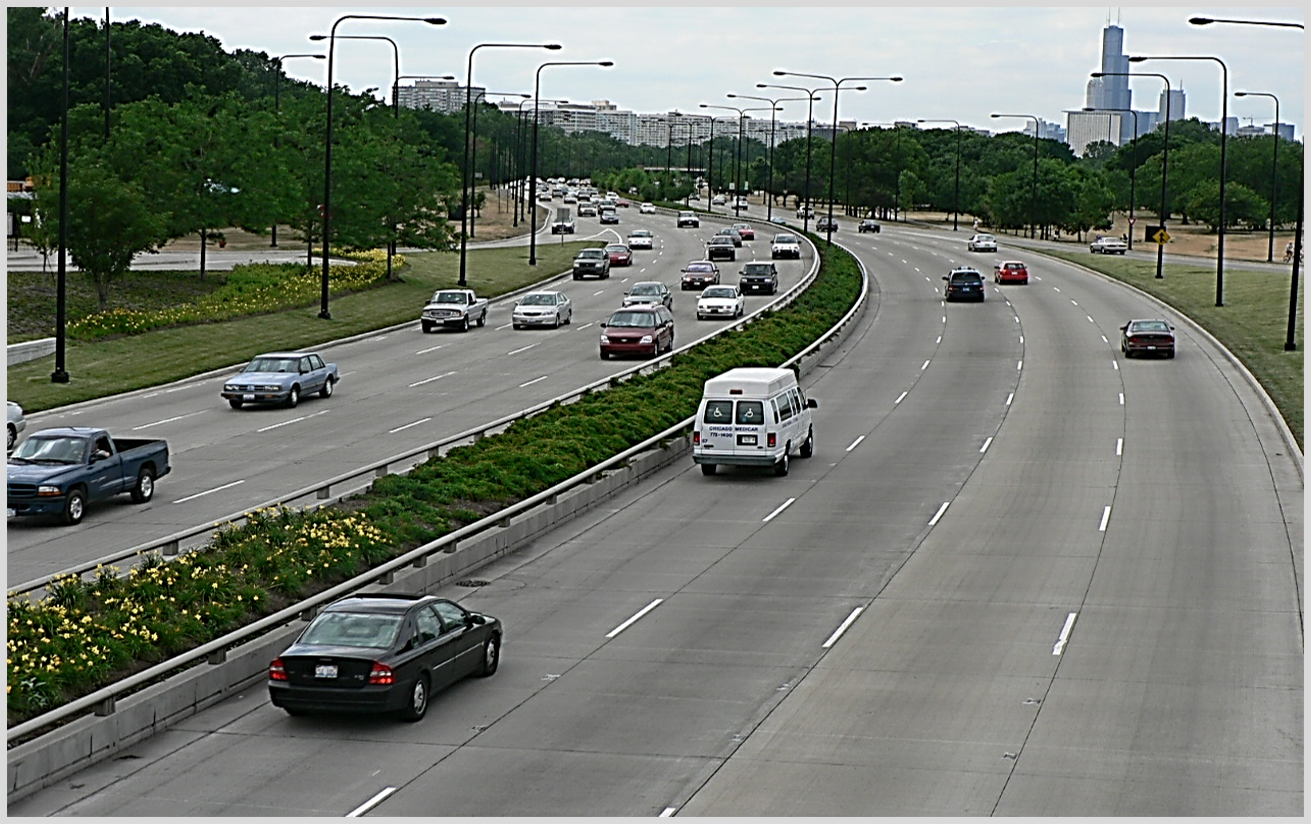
point(551, 309)
point(281, 378)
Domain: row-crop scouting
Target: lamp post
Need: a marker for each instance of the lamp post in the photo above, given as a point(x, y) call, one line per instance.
point(774, 107)
point(1133, 165)
point(473, 158)
point(532, 178)
point(327, 152)
point(466, 180)
point(1290, 344)
point(955, 220)
point(710, 118)
point(669, 148)
point(277, 111)
point(833, 154)
point(1033, 194)
point(810, 120)
point(1274, 170)
point(60, 375)
point(1224, 130)
point(1165, 158)
point(737, 168)
point(519, 142)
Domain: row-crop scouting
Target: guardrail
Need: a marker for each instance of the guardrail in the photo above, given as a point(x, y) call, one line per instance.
point(59, 751)
point(349, 482)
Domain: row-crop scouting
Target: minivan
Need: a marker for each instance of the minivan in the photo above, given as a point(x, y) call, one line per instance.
point(753, 417)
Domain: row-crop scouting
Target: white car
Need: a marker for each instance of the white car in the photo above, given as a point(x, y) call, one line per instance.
point(1107, 245)
point(718, 200)
point(981, 243)
point(551, 309)
point(647, 208)
point(723, 301)
point(17, 423)
point(785, 245)
point(640, 239)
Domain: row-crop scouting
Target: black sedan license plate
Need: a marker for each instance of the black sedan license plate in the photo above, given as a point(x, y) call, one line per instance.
point(325, 670)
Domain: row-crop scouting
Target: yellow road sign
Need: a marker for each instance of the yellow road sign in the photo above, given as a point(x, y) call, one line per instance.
point(1161, 237)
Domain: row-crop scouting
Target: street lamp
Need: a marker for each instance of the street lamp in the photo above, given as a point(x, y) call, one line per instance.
point(60, 375)
point(327, 152)
point(1133, 164)
point(473, 159)
point(810, 121)
point(773, 102)
point(833, 154)
point(737, 169)
point(1290, 344)
point(277, 112)
point(1224, 130)
point(466, 180)
point(519, 142)
point(1274, 170)
point(1033, 194)
point(955, 220)
point(1165, 159)
point(532, 178)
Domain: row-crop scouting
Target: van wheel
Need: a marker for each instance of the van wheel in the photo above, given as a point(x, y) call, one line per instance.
point(144, 489)
point(781, 468)
point(708, 469)
point(808, 448)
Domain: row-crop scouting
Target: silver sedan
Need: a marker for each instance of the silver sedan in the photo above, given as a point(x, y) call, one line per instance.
point(17, 423)
point(542, 309)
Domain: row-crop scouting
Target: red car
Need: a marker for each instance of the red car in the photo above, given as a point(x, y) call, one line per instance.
point(745, 230)
point(1147, 337)
point(638, 330)
point(620, 254)
point(1010, 271)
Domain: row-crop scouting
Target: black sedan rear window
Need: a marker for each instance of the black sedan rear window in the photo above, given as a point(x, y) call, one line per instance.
point(353, 629)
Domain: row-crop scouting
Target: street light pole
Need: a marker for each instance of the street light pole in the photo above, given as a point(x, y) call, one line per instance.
point(955, 220)
point(60, 375)
point(532, 178)
point(1133, 164)
point(810, 120)
point(1224, 130)
point(1033, 195)
point(1274, 170)
point(737, 170)
point(327, 152)
point(774, 107)
point(277, 112)
point(473, 160)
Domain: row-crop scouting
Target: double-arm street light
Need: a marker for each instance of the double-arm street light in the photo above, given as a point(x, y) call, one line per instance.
point(473, 155)
point(532, 175)
point(1274, 170)
point(520, 140)
point(955, 220)
point(738, 197)
point(1224, 130)
point(1033, 192)
point(833, 153)
point(327, 153)
point(774, 107)
point(466, 180)
point(1165, 160)
point(1290, 344)
point(812, 96)
point(277, 111)
point(1133, 164)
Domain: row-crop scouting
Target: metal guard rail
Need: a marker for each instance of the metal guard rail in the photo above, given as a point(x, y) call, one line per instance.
point(102, 700)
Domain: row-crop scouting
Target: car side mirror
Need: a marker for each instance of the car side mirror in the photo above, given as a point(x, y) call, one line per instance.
point(1124, 328)
point(944, 277)
point(811, 403)
point(475, 620)
point(604, 324)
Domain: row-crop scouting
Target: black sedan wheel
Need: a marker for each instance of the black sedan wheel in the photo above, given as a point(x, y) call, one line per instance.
point(418, 705)
point(491, 657)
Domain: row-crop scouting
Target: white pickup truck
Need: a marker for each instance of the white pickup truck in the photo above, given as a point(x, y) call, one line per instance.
point(460, 308)
point(1108, 245)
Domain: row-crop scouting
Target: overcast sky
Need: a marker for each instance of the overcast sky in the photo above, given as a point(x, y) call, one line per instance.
point(958, 63)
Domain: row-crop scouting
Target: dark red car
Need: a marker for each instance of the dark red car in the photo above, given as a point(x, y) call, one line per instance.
point(1147, 337)
point(638, 330)
point(745, 230)
point(620, 254)
point(1010, 271)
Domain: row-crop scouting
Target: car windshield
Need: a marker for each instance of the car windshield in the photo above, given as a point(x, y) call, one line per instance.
point(720, 240)
point(699, 267)
point(647, 289)
point(592, 253)
point(539, 299)
point(352, 629)
point(632, 319)
point(719, 292)
point(615, 247)
point(55, 450)
point(449, 297)
point(639, 233)
point(756, 269)
point(785, 239)
point(263, 364)
point(1150, 326)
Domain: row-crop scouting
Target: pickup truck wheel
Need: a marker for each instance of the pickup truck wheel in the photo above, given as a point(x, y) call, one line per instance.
point(464, 327)
point(235, 403)
point(144, 489)
point(293, 397)
point(326, 391)
point(427, 327)
point(74, 507)
point(482, 320)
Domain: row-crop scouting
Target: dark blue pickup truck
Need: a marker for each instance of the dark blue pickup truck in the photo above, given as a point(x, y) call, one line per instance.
point(59, 471)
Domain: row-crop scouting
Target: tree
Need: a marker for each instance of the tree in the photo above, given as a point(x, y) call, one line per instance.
point(1242, 205)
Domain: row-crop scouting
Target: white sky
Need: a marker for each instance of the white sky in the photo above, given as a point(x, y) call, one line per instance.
point(958, 62)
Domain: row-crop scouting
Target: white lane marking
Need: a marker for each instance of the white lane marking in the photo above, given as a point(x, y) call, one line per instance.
point(1065, 634)
point(625, 625)
point(165, 420)
point(925, 366)
point(1075, 302)
point(1057, 288)
point(430, 349)
point(939, 340)
point(1010, 398)
point(430, 380)
point(1090, 320)
point(1116, 365)
point(855, 443)
point(371, 803)
point(584, 326)
point(1015, 318)
point(1019, 365)
point(407, 426)
point(598, 292)
point(1119, 446)
point(505, 326)
point(985, 446)
point(1104, 340)
point(944, 318)
point(1021, 340)
point(900, 398)
point(522, 349)
point(207, 492)
point(533, 381)
point(1106, 517)
point(934, 520)
point(781, 507)
point(668, 811)
point(1121, 399)
point(293, 420)
point(837, 633)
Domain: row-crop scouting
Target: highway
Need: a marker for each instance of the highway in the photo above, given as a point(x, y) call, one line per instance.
point(1021, 576)
point(399, 390)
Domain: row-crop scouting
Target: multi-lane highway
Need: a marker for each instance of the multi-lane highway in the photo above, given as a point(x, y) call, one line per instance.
point(400, 389)
point(1021, 576)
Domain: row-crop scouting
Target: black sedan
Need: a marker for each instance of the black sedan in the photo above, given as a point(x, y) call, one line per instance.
point(963, 284)
point(383, 653)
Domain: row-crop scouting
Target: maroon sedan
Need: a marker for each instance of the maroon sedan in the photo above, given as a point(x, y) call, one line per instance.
point(1147, 337)
point(638, 330)
point(745, 230)
point(699, 274)
point(620, 254)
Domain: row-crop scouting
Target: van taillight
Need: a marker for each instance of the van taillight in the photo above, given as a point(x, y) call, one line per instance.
point(772, 440)
point(696, 437)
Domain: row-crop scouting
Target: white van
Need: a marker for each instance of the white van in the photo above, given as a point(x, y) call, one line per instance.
point(753, 417)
